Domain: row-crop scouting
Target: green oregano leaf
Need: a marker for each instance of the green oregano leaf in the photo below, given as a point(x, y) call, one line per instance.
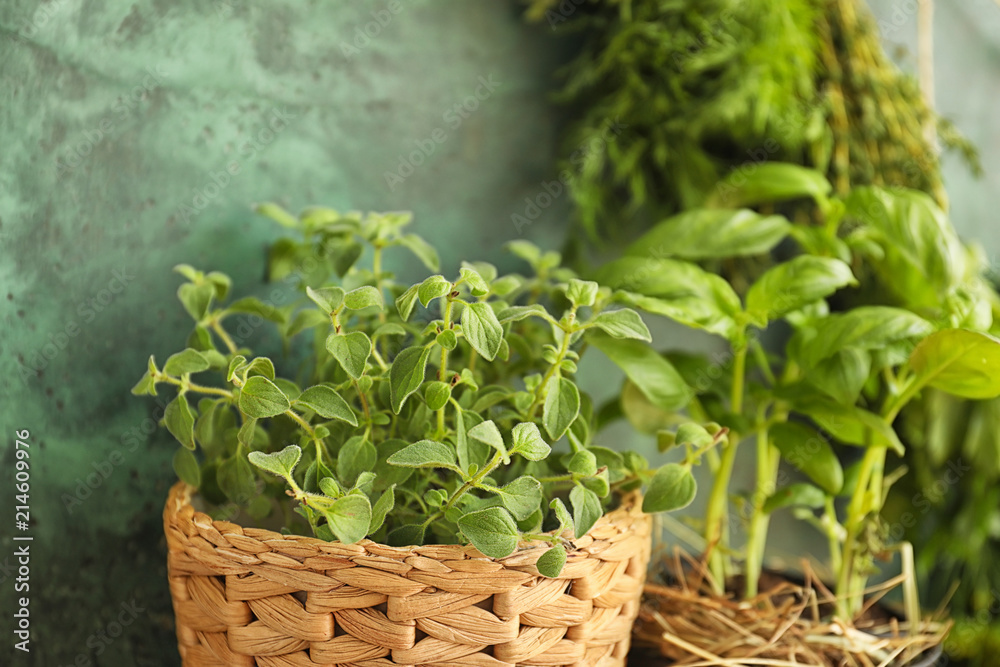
point(382, 507)
point(329, 299)
point(437, 394)
point(488, 433)
point(260, 366)
point(562, 515)
point(407, 374)
point(405, 536)
point(522, 497)
point(447, 339)
point(582, 292)
point(482, 329)
point(188, 361)
point(426, 454)
point(363, 297)
point(475, 281)
point(189, 272)
point(406, 301)
point(586, 509)
point(552, 562)
point(583, 463)
point(179, 420)
point(357, 456)
point(144, 386)
point(261, 398)
point(562, 405)
point(236, 479)
point(327, 403)
point(280, 463)
point(433, 287)
point(235, 364)
point(186, 467)
point(491, 530)
point(351, 350)
point(330, 487)
point(196, 299)
point(694, 435)
point(349, 518)
point(247, 431)
point(527, 441)
point(518, 313)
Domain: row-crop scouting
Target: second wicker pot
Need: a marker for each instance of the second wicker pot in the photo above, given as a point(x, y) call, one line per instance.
point(244, 597)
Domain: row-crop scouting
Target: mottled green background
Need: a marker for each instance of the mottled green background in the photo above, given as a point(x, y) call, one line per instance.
point(118, 122)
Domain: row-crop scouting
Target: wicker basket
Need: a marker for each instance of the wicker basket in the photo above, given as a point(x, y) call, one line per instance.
point(245, 597)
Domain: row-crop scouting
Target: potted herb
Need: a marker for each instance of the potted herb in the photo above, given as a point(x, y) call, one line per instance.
point(433, 466)
point(825, 387)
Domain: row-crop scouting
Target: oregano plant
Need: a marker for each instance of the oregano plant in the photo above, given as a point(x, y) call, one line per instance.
point(443, 411)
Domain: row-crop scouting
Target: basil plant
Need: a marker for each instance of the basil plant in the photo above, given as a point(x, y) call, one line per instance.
point(867, 301)
point(444, 411)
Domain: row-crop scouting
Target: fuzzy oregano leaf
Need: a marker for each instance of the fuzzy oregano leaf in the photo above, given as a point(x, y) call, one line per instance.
point(522, 497)
point(327, 403)
point(382, 507)
point(488, 433)
point(187, 361)
point(179, 420)
point(583, 463)
point(475, 281)
point(196, 299)
point(349, 518)
point(329, 299)
point(236, 479)
point(527, 441)
point(432, 288)
point(407, 374)
point(562, 405)
point(426, 454)
point(406, 301)
point(587, 509)
point(351, 350)
point(562, 515)
point(186, 467)
point(261, 398)
point(582, 292)
point(280, 463)
point(552, 562)
point(437, 394)
point(492, 531)
point(363, 297)
point(482, 329)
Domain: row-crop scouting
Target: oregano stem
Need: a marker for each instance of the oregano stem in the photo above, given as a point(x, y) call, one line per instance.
point(217, 328)
point(377, 270)
point(563, 349)
point(191, 386)
point(444, 360)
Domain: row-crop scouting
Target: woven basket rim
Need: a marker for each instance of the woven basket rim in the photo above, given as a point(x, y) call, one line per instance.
point(179, 502)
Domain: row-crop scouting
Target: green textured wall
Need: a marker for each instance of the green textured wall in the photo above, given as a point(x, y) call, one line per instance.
point(119, 125)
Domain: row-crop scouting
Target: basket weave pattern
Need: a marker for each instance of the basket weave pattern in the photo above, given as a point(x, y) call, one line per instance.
point(246, 597)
